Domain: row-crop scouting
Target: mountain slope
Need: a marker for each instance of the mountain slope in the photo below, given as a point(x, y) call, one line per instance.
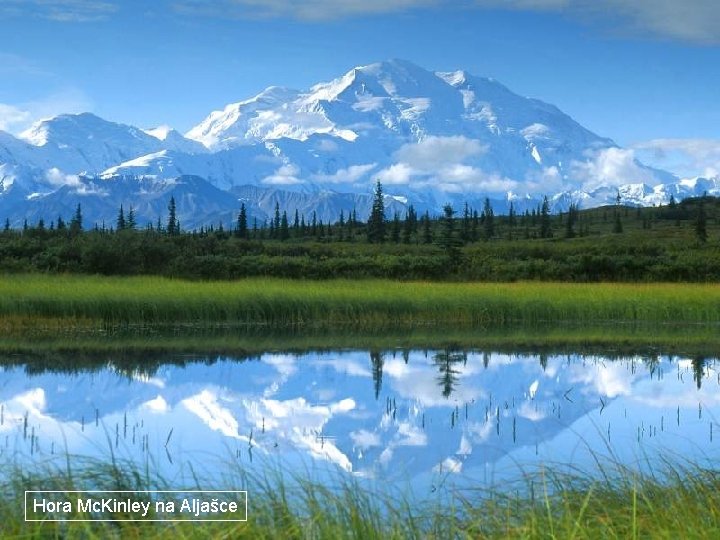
point(430, 138)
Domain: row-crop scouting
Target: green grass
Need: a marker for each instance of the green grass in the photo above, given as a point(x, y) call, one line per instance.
point(89, 301)
point(685, 503)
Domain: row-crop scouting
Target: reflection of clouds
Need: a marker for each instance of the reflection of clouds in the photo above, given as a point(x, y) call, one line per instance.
point(410, 435)
point(449, 465)
point(364, 439)
point(144, 378)
point(157, 405)
point(301, 424)
point(346, 366)
point(206, 407)
point(531, 412)
point(612, 379)
point(533, 389)
point(33, 400)
point(30, 405)
point(465, 446)
point(480, 431)
point(285, 365)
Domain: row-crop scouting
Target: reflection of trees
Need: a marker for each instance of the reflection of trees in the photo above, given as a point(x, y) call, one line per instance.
point(446, 361)
point(543, 361)
point(376, 361)
point(698, 365)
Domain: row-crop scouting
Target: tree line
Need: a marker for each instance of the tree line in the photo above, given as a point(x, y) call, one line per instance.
point(673, 242)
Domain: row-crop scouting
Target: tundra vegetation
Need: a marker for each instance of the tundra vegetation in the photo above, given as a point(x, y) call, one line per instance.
point(673, 243)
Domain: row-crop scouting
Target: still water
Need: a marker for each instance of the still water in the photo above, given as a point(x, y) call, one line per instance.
point(436, 419)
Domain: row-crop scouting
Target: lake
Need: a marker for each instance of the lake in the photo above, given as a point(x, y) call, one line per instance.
point(419, 420)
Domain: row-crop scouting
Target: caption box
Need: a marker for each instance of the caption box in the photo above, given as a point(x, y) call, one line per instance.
point(97, 505)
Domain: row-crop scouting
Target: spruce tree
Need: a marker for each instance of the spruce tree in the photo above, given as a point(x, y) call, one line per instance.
point(395, 232)
point(242, 226)
point(376, 221)
point(570, 222)
point(489, 223)
point(76, 221)
point(284, 228)
point(173, 226)
point(448, 240)
point(120, 222)
point(130, 221)
point(545, 226)
point(276, 220)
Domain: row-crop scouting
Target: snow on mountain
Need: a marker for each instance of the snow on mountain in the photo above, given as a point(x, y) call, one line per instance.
point(485, 137)
point(430, 138)
point(173, 140)
point(76, 143)
point(232, 125)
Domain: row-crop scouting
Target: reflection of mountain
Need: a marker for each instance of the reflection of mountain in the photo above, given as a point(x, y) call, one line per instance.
point(384, 414)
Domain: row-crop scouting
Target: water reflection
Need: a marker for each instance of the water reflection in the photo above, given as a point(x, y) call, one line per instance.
point(445, 417)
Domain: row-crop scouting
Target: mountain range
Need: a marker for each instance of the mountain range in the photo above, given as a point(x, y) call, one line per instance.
point(431, 138)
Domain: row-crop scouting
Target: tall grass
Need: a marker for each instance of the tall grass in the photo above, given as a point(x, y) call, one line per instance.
point(369, 303)
point(682, 502)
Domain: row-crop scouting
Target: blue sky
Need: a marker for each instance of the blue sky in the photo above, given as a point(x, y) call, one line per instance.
point(645, 73)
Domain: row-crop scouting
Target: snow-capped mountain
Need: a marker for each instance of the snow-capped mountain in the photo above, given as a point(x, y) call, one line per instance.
point(430, 138)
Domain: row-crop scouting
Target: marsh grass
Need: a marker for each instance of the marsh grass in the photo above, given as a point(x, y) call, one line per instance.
point(81, 300)
point(676, 501)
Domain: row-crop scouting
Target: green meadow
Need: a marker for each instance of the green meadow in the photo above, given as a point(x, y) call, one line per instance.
point(35, 299)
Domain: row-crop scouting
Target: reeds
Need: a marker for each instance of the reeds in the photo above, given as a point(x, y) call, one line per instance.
point(674, 502)
point(363, 303)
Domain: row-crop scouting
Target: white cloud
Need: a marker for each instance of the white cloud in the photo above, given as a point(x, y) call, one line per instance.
point(11, 116)
point(684, 157)
point(398, 173)
point(610, 167)
point(345, 176)
point(307, 10)
point(60, 10)
point(18, 117)
point(691, 20)
point(435, 152)
point(286, 175)
point(58, 178)
point(548, 180)
point(439, 162)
